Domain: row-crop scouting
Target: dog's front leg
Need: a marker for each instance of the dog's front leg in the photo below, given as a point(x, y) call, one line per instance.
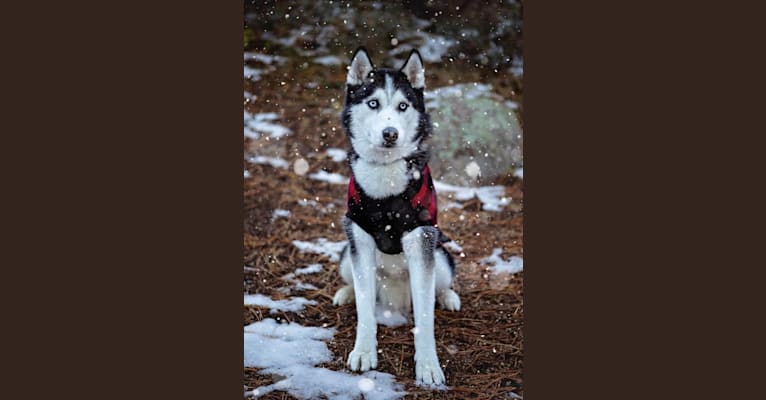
point(419, 246)
point(363, 265)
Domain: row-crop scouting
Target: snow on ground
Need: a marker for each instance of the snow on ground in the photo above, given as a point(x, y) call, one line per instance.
point(307, 203)
point(279, 213)
point(253, 73)
point(321, 35)
point(305, 286)
point(322, 246)
point(269, 61)
point(492, 197)
point(257, 124)
point(337, 155)
point(294, 304)
point(431, 46)
point(337, 179)
point(309, 269)
point(264, 58)
point(452, 245)
point(298, 284)
point(286, 41)
point(316, 205)
point(247, 174)
point(275, 162)
point(511, 266)
point(517, 66)
point(328, 60)
point(519, 173)
point(290, 352)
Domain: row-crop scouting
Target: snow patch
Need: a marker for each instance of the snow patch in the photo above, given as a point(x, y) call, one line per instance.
point(257, 124)
point(517, 67)
point(309, 269)
point(298, 284)
point(247, 174)
point(431, 47)
point(316, 205)
point(511, 266)
point(304, 286)
point(279, 213)
point(337, 179)
point(307, 203)
point(519, 173)
point(337, 155)
point(322, 246)
point(275, 162)
point(253, 73)
point(328, 60)
point(321, 35)
point(452, 245)
point(257, 73)
point(291, 352)
point(294, 304)
point(492, 197)
point(265, 58)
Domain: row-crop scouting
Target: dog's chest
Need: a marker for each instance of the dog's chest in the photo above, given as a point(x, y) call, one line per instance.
point(380, 181)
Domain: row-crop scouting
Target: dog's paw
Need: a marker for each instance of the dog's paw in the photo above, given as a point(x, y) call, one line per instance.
point(449, 300)
point(428, 372)
point(362, 360)
point(344, 295)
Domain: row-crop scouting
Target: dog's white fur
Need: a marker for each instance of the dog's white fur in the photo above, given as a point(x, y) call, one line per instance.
point(417, 277)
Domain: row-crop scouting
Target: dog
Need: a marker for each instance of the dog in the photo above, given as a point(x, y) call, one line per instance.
point(395, 255)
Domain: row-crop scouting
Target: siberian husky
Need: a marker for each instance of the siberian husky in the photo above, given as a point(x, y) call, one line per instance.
point(395, 254)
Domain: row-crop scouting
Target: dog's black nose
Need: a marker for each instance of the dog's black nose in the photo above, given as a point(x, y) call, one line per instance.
point(390, 135)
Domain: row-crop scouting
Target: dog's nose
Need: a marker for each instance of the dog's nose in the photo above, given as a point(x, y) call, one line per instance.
point(390, 135)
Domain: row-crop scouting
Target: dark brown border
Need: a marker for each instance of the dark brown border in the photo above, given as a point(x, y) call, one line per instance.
point(132, 202)
point(632, 193)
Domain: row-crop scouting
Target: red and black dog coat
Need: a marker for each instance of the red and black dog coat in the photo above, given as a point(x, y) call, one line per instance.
point(389, 218)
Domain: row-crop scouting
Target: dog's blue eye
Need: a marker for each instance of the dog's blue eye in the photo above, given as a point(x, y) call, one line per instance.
point(403, 106)
point(373, 104)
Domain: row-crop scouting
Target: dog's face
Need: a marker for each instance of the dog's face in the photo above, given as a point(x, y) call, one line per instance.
point(384, 115)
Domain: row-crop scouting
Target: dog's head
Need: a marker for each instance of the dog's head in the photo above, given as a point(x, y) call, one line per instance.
point(385, 115)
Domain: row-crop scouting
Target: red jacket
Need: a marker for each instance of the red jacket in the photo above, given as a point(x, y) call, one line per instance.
point(389, 218)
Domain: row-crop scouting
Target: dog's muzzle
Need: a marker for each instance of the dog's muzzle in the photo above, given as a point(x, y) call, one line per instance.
point(390, 135)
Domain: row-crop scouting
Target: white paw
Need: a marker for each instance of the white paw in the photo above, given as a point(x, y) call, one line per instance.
point(449, 300)
point(363, 360)
point(428, 372)
point(344, 295)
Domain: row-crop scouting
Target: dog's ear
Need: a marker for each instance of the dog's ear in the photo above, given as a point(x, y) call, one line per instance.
point(361, 66)
point(414, 70)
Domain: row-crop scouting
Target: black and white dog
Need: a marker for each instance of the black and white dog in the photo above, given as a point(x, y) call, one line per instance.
point(395, 252)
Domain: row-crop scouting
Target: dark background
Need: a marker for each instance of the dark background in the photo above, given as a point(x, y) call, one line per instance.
point(123, 198)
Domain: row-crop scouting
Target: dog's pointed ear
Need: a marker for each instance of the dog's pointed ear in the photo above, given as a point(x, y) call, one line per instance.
point(361, 66)
point(414, 70)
